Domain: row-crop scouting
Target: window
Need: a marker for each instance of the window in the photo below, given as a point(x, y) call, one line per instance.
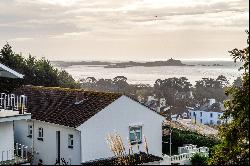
point(201, 121)
point(211, 122)
point(40, 134)
point(194, 113)
point(70, 141)
point(30, 131)
point(135, 135)
point(200, 113)
point(211, 115)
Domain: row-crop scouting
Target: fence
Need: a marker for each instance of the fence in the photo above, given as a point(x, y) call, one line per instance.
point(13, 102)
point(14, 156)
point(182, 159)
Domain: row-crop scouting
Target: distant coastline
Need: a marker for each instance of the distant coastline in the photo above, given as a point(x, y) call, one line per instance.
point(106, 64)
point(169, 62)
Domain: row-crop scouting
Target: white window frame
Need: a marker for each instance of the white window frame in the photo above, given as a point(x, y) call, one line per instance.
point(30, 131)
point(137, 129)
point(71, 141)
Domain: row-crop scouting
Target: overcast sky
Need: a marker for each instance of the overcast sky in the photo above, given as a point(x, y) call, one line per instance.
point(124, 29)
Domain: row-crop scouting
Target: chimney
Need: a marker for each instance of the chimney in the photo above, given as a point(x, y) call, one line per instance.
point(211, 101)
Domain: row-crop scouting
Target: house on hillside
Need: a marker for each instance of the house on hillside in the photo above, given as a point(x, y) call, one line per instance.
point(12, 109)
point(208, 114)
point(71, 126)
point(176, 113)
point(184, 95)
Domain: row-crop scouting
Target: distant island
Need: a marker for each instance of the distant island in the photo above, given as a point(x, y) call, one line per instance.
point(106, 64)
point(170, 62)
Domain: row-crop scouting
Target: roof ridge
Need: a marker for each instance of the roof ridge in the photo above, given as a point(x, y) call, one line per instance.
point(70, 89)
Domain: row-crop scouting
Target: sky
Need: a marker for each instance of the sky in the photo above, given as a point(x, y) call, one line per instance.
point(141, 30)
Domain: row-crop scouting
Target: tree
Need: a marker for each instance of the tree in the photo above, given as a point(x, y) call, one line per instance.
point(105, 85)
point(38, 72)
point(66, 80)
point(211, 88)
point(223, 82)
point(121, 83)
point(234, 149)
point(199, 159)
point(237, 82)
point(168, 88)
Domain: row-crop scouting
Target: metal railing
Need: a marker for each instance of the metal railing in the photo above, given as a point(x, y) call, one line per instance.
point(14, 156)
point(13, 102)
point(183, 158)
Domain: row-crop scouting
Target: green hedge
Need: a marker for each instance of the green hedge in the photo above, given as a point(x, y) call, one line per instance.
point(180, 137)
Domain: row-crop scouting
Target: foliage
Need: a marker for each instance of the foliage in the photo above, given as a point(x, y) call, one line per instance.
point(237, 82)
point(118, 148)
point(199, 159)
point(168, 88)
point(208, 88)
point(37, 72)
point(180, 137)
point(234, 148)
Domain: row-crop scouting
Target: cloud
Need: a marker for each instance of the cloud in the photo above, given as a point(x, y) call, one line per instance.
point(74, 15)
point(118, 20)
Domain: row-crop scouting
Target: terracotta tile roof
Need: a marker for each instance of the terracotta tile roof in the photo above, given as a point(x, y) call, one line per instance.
point(68, 107)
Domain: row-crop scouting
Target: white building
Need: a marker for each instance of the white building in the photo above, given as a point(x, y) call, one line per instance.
point(73, 125)
point(12, 108)
point(6, 72)
point(208, 114)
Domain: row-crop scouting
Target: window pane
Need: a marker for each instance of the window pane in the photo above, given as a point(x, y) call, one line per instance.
point(40, 132)
point(135, 134)
point(132, 137)
point(70, 140)
point(138, 135)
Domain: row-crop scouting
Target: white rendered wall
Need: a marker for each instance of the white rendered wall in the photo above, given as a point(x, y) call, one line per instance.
point(47, 149)
point(118, 116)
point(6, 141)
point(206, 117)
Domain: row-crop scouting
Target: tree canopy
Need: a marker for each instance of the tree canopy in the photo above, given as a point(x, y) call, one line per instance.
point(211, 88)
point(38, 72)
point(234, 148)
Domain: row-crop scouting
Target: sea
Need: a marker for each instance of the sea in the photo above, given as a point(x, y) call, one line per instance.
point(194, 71)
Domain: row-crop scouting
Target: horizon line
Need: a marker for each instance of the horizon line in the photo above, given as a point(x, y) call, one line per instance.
point(150, 60)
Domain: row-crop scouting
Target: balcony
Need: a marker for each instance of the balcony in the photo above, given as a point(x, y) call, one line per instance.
point(18, 155)
point(13, 107)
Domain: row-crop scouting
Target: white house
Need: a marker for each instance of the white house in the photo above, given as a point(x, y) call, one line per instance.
point(12, 108)
point(73, 125)
point(208, 114)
